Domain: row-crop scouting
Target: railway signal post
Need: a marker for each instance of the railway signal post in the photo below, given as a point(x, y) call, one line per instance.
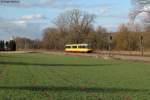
point(110, 44)
point(141, 45)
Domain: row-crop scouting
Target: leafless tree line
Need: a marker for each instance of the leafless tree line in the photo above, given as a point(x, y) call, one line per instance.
point(76, 26)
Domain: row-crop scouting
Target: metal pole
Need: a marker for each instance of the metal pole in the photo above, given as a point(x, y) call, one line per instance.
point(110, 42)
point(141, 44)
point(25, 45)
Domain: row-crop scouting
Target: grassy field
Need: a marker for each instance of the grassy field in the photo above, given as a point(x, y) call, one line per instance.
point(36, 76)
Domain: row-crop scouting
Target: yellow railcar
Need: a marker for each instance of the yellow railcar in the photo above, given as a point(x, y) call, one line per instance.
point(82, 48)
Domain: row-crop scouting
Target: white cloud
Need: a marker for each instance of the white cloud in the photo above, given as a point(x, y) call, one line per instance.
point(20, 23)
point(33, 17)
point(23, 28)
point(104, 9)
point(39, 3)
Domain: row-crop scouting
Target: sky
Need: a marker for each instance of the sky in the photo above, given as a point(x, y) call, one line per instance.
point(28, 18)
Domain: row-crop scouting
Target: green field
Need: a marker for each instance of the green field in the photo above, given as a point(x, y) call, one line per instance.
point(36, 76)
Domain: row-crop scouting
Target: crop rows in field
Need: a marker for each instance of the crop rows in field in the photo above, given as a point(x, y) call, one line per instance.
point(59, 77)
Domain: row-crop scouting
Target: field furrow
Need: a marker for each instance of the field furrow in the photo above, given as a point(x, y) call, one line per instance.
point(60, 77)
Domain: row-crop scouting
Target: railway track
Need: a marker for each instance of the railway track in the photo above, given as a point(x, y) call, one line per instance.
point(131, 56)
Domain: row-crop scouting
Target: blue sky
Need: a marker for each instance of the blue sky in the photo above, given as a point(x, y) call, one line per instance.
point(28, 18)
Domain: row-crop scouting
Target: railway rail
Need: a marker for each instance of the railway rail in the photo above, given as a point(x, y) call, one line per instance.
point(131, 56)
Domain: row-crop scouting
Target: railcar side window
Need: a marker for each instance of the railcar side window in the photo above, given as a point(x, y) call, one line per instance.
point(74, 46)
point(68, 47)
point(82, 46)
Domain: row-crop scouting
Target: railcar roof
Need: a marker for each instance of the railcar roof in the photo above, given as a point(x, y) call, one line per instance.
point(76, 44)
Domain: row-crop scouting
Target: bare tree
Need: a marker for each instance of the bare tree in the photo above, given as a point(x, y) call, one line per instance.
point(140, 6)
point(75, 22)
point(125, 39)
